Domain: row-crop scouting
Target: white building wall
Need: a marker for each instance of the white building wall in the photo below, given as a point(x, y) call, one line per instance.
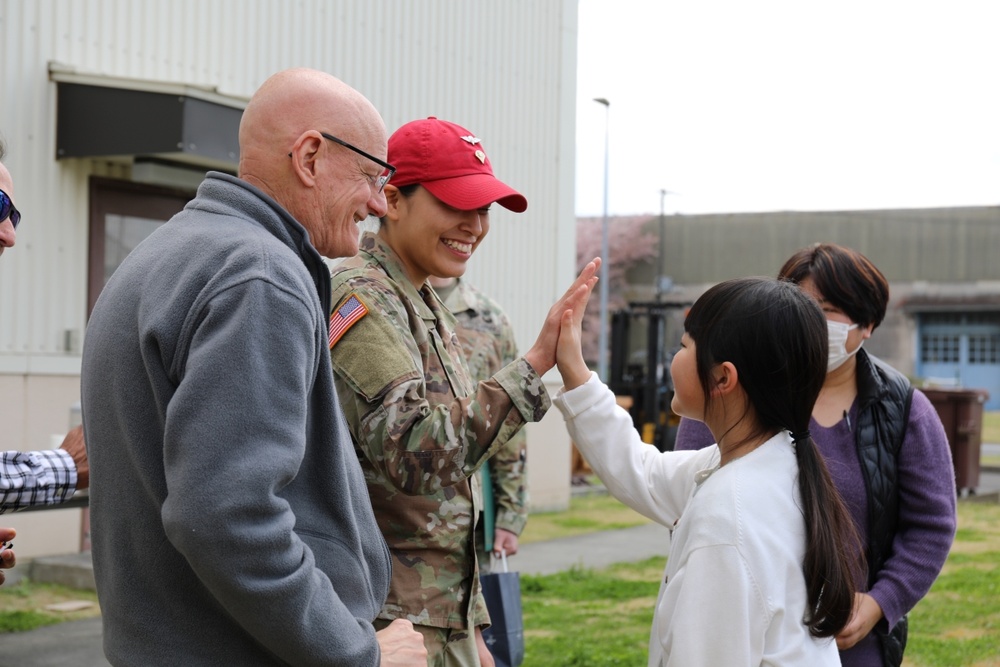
point(505, 70)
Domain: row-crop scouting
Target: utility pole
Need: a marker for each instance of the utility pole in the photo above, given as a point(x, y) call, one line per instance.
point(663, 247)
point(602, 338)
point(661, 277)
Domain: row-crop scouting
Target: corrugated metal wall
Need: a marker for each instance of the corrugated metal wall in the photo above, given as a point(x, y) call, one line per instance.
point(506, 70)
point(936, 245)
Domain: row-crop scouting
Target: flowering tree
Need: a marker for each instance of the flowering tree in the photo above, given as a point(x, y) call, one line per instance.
point(630, 242)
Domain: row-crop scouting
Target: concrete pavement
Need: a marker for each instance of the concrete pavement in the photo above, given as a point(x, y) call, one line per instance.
point(78, 643)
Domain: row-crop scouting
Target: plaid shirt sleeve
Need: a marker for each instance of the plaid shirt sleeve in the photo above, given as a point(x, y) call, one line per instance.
point(35, 478)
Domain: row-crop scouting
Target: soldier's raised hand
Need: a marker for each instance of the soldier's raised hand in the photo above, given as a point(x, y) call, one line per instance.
point(542, 355)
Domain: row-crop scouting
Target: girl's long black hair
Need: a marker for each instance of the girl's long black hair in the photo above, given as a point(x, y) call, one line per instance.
point(776, 337)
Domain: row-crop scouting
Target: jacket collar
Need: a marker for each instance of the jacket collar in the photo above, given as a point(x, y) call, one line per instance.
point(460, 299)
point(463, 298)
point(271, 216)
point(378, 250)
point(871, 384)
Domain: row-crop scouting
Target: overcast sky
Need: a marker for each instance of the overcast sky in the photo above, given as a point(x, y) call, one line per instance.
point(756, 105)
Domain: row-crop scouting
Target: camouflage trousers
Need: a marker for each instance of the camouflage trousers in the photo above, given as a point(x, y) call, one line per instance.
point(446, 647)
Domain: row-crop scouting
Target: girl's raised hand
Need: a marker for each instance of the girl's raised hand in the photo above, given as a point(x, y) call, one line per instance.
point(569, 352)
point(542, 355)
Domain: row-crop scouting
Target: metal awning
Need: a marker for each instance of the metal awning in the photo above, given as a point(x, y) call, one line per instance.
point(981, 296)
point(113, 117)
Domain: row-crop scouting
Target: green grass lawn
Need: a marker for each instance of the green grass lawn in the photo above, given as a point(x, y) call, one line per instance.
point(587, 618)
point(23, 607)
point(991, 426)
point(958, 623)
point(602, 618)
point(586, 514)
point(991, 434)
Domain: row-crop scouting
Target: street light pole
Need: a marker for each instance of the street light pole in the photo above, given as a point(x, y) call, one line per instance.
point(659, 259)
point(602, 338)
point(662, 282)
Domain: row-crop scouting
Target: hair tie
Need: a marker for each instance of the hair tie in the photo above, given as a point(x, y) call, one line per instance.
point(800, 436)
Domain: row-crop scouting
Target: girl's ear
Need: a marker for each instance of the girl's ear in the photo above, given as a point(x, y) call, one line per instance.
point(725, 379)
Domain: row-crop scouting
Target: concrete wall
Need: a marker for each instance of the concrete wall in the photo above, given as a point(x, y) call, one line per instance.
point(948, 256)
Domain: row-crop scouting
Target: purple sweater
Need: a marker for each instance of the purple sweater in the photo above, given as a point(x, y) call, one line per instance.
point(926, 525)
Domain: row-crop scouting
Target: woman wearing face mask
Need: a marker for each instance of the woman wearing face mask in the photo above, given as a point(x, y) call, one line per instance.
point(886, 450)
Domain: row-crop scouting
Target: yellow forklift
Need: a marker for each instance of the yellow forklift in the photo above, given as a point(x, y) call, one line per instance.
point(644, 338)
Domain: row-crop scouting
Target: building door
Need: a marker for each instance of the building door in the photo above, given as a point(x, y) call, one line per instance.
point(122, 214)
point(962, 350)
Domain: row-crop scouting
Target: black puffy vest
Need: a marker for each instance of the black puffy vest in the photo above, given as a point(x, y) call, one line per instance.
point(884, 396)
point(883, 411)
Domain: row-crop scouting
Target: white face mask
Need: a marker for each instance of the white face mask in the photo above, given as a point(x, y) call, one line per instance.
point(838, 332)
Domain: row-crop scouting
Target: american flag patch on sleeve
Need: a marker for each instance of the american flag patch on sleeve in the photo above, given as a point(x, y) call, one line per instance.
point(344, 318)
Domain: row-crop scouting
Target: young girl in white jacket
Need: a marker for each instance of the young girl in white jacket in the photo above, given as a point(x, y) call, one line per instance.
point(758, 573)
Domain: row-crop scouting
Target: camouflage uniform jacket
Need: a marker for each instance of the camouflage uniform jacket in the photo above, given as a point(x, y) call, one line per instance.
point(487, 339)
point(422, 429)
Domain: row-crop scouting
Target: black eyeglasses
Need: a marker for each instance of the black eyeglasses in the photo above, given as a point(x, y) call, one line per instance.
point(8, 210)
point(379, 181)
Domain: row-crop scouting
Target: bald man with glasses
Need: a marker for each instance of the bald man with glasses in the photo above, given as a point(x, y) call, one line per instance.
point(230, 518)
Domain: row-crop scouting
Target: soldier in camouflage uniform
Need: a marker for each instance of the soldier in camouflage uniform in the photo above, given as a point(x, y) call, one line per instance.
point(487, 339)
point(421, 426)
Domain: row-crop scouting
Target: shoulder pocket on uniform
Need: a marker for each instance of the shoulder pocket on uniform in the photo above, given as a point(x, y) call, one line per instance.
point(372, 358)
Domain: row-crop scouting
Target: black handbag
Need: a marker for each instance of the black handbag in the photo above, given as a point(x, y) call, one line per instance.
point(894, 643)
point(505, 637)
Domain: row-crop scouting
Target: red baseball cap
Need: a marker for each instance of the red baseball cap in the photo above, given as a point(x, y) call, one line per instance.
point(451, 164)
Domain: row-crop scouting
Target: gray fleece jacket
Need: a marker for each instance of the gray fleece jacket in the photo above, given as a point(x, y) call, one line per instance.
point(230, 519)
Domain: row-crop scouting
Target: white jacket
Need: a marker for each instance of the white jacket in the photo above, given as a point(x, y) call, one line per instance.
point(733, 592)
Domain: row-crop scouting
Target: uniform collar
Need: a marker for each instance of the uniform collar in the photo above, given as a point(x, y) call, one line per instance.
point(378, 250)
point(461, 298)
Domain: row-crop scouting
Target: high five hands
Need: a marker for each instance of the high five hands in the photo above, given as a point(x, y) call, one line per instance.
point(569, 351)
point(542, 355)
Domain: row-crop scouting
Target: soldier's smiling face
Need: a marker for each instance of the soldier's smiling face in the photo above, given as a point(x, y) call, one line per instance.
point(430, 237)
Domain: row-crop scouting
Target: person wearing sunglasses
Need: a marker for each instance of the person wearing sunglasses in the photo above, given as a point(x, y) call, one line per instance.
point(230, 519)
point(10, 217)
point(46, 477)
point(421, 426)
